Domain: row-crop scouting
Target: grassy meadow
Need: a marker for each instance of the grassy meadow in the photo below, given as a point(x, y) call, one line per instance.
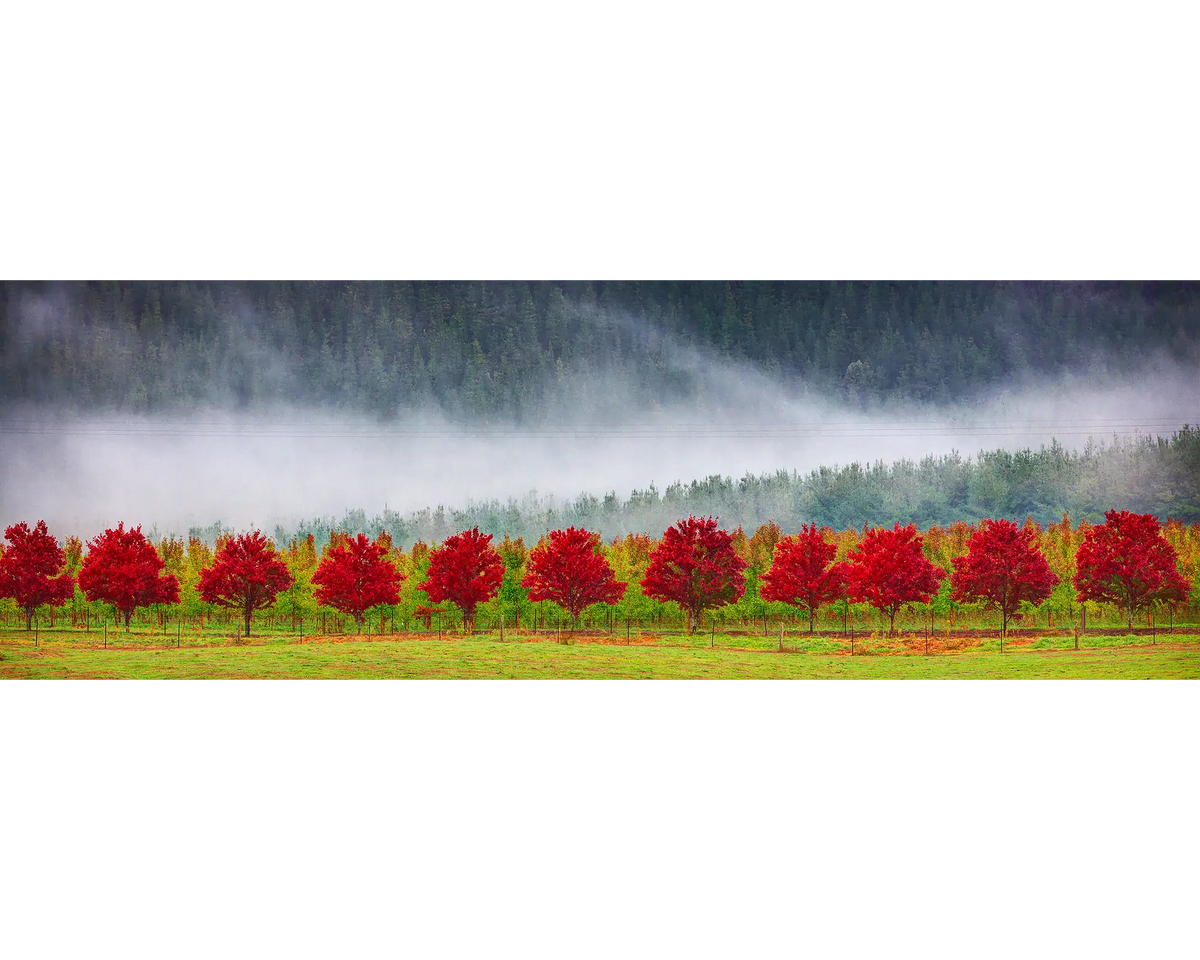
point(72, 653)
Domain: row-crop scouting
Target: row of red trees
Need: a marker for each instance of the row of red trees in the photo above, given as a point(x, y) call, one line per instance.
point(1127, 561)
point(123, 569)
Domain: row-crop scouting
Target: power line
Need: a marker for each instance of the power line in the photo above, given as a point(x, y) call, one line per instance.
point(812, 429)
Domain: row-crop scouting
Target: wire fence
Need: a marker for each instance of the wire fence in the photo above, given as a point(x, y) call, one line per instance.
point(961, 630)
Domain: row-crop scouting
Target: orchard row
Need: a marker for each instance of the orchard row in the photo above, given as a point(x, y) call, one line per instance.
point(1127, 562)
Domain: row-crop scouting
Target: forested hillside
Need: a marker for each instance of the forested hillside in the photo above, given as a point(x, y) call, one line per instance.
point(512, 349)
point(533, 353)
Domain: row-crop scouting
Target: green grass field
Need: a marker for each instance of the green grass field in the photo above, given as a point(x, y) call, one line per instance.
point(71, 654)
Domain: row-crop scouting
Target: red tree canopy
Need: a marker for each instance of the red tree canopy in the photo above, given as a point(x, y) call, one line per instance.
point(568, 568)
point(803, 572)
point(123, 568)
point(356, 575)
point(29, 570)
point(466, 570)
point(1003, 567)
point(1129, 562)
point(246, 575)
point(888, 570)
point(696, 567)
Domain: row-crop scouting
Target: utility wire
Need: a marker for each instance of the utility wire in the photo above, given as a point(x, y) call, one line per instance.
point(811, 429)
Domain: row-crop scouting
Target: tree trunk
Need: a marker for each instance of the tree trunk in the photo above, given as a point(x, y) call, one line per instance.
point(358, 622)
point(28, 618)
point(812, 616)
point(249, 615)
point(127, 614)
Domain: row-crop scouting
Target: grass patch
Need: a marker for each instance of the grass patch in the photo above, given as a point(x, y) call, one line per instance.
point(594, 656)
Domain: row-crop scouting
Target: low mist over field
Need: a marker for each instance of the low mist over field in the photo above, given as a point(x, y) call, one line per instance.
point(83, 473)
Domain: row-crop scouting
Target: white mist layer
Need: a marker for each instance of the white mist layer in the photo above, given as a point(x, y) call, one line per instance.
point(83, 474)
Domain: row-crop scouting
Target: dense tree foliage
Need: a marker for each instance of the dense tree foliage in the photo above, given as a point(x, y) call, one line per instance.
point(696, 567)
point(515, 348)
point(122, 568)
point(568, 568)
point(803, 573)
point(31, 569)
point(298, 609)
point(355, 576)
point(1003, 568)
point(889, 570)
point(465, 570)
point(1128, 561)
point(246, 575)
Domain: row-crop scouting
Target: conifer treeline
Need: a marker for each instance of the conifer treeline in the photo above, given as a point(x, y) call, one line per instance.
point(511, 348)
point(1146, 475)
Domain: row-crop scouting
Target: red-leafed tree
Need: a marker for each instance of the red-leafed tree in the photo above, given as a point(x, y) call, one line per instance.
point(123, 568)
point(356, 575)
point(246, 575)
point(803, 573)
point(568, 568)
point(889, 570)
point(695, 566)
point(466, 570)
point(1129, 562)
point(29, 570)
point(1003, 566)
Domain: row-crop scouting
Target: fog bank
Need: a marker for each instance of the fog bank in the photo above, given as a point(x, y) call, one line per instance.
point(269, 467)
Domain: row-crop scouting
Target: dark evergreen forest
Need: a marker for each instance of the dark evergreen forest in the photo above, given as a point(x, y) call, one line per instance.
point(509, 349)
